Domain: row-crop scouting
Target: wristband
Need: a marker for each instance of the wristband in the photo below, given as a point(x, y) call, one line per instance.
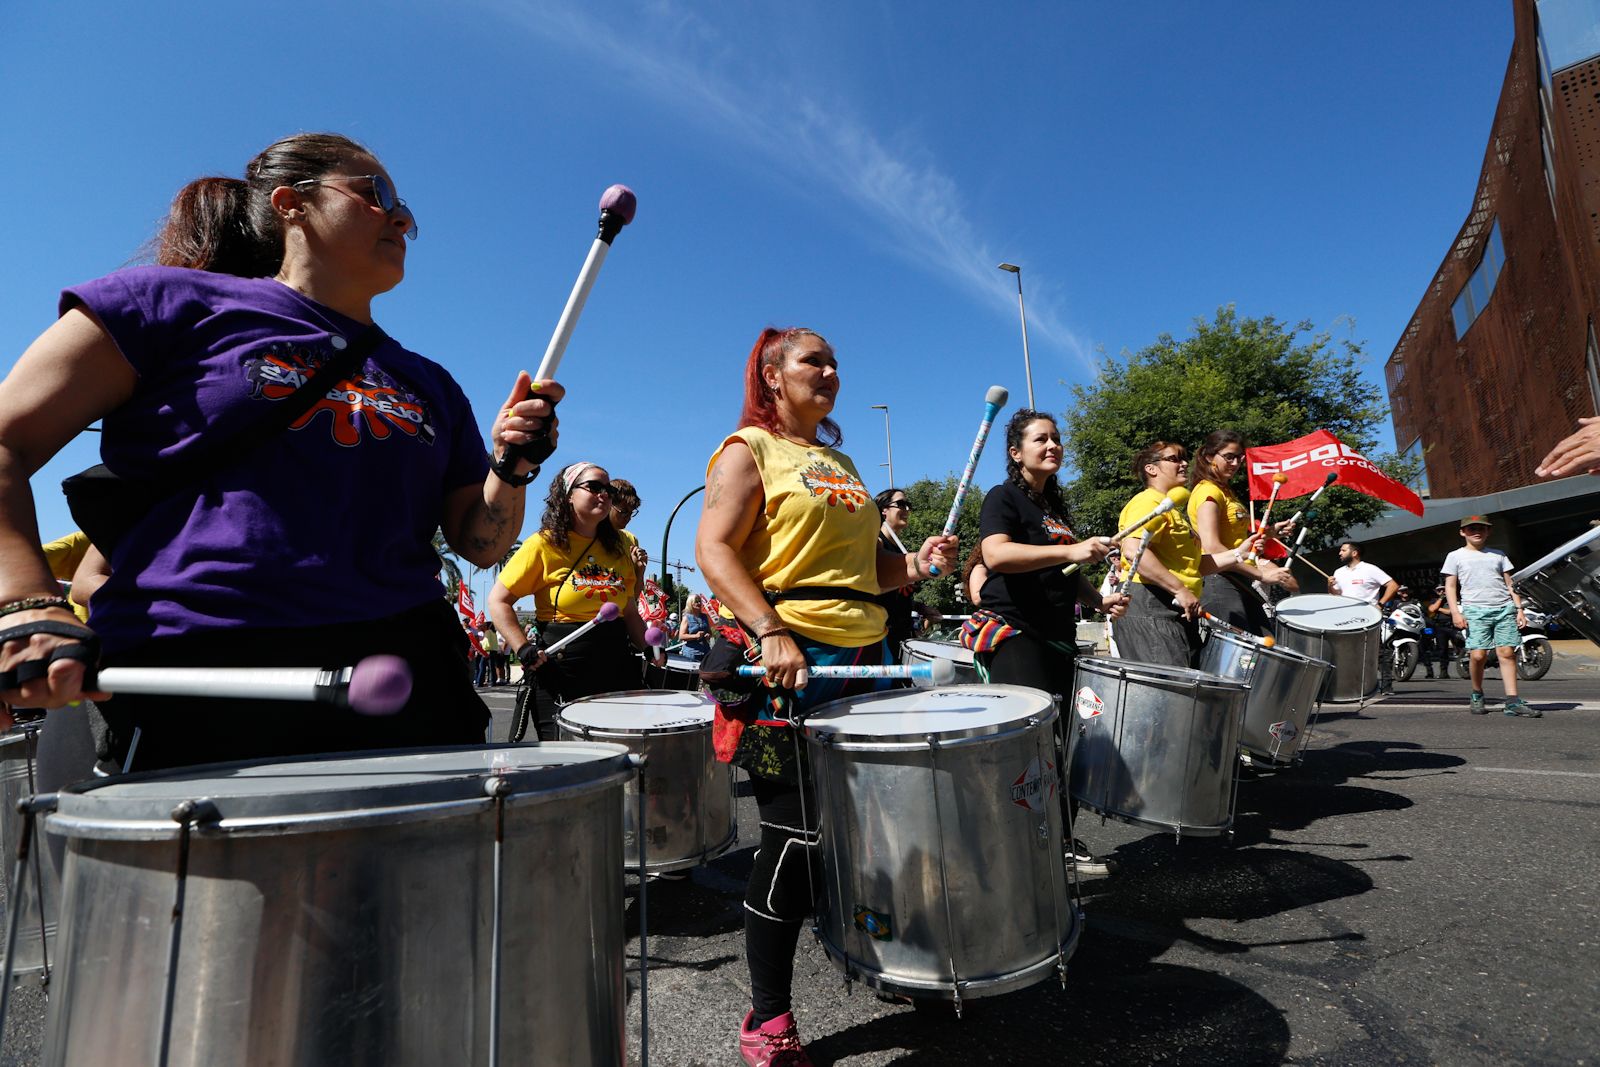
point(501, 468)
point(779, 632)
point(35, 603)
point(916, 564)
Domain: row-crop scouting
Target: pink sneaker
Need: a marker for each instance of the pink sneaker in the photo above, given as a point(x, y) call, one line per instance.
point(775, 1043)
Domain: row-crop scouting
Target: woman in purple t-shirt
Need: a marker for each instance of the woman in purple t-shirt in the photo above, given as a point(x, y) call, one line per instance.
point(314, 548)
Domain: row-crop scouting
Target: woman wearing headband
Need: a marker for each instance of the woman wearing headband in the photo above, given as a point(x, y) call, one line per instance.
point(788, 541)
point(576, 564)
point(1221, 523)
point(308, 546)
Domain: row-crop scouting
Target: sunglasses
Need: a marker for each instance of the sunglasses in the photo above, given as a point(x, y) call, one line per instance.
point(381, 195)
point(1231, 457)
point(1172, 459)
point(595, 486)
point(902, 505)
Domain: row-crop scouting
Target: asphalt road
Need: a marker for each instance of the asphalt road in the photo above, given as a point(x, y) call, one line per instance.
point(1421, 889)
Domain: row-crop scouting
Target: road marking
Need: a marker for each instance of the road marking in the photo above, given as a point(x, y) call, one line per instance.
point(1524, 770)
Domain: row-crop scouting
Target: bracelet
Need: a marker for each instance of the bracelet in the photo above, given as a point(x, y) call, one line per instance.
point(780, 631)
point(501, 469)
point(916, 564)
point(35, 603)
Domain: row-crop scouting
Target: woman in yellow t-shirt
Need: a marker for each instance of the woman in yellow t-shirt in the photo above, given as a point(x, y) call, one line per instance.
point(577, 563)
point(1220, 522)
point(1162, 623)
point(788, 539)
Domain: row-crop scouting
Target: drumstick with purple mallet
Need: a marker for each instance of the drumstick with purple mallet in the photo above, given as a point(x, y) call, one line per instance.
point(993, 401)
point(607, 613)
point(1176, 497)
point(378, 685)
point(922, 675)
point(617, 207)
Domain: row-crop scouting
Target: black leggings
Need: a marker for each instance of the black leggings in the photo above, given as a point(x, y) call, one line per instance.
point(782, 891)
point(1026, 660)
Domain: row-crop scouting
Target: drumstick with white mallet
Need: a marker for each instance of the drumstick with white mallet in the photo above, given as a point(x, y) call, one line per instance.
point(922, 675)
point(1176, 497)
point(377, 685)
point(993, 401)
point(617, 207)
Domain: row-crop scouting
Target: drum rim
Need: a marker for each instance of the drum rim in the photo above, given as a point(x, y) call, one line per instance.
point(908, 643)
point(706, 701)
point(1280, 651)
point(817, 734)
point(87, 809)
point(1555, 555)
point(1155, 672)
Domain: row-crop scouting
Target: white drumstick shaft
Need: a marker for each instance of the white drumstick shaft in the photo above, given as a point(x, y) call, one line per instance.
point(237, 683)
point(573, 636)
point(1133, 570)
point(896, 539)
point(869, 670)
point(569, 315)
point(1161, 509)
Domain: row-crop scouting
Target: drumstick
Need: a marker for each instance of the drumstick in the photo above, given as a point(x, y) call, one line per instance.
point(927, 673)
point(1278, 481)
point(1313, 566)
point(896, 539)
point(378, 685)
point(1264, 642)
point(608, 611)
point(993, 401)
point(617, 206)
point(1175, 496)
point(1133, 568)
point(1333, 476)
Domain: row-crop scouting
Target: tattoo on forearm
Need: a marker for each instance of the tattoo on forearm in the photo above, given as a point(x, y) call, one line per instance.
point(769, 621)
point(487, 530)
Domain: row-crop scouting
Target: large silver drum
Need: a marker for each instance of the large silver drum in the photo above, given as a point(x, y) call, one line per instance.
point(681, 673)
point(1568, 581)
point(1157, 745)
point(1283, 691)
point(1340, 630)
point(918, 651)
point(689, 810)
point(37, 898)
point(340, 911)
point(942, 840)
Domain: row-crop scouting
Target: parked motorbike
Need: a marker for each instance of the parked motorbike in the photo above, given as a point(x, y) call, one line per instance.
point(1402, 637)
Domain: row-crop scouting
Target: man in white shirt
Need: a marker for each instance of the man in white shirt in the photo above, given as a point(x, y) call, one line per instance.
point(1366, 582)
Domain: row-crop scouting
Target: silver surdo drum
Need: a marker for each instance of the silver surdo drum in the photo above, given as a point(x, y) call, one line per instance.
point(1157, 745)
point(36, 899)
point(1283, 691)
point(942, 840)
point(1568, 581)
point(1342, 631)
point(918, 651)
point(681, 673)
point(344, 910)
point(689, 811)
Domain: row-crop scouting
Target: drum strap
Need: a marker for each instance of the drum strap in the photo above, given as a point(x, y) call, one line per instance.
point(819, 592)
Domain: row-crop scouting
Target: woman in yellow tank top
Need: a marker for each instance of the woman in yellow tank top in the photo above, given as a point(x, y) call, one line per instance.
point(1221, 523)
point(788, 540)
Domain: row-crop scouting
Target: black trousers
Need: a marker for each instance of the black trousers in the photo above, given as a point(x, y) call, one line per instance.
point(782, 890)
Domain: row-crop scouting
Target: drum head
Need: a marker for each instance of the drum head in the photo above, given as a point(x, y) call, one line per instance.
point(683, 665)
point(641, 711)
point(1579, 546)
point(351, 786)
point(912, 714)
point(1323, 613)
point(932, 650)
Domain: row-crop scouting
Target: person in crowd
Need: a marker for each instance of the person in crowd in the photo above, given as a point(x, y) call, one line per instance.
point(1026, 631)
point(1162, 621)
point(694, 631)
point(1436, 645)
point(623, 509)
point(64, 556)
point(576, 563)
point(1369, 584)
point(488, 673)
point(1221, 523)
point(788, 541)
point(258, 283)
point(894, 509)
point(1485, 603)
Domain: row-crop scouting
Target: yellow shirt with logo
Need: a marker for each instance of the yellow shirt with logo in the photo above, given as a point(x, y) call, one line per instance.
point(64, 554)
point(570, 584)
point(1235, 526)
point(1173, 541)
point(818, 526)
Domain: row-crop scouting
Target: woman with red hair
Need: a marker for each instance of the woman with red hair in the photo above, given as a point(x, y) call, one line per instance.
point(789, 540)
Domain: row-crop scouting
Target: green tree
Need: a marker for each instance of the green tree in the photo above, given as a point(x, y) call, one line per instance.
point(930, 505)
point(1270, 382)
point(449, 564)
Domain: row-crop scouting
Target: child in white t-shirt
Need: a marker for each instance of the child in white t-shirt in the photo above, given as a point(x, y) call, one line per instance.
point(1477, 583)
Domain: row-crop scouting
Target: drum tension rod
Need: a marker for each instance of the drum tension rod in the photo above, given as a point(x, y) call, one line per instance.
point(186, 815)
point(28, 808)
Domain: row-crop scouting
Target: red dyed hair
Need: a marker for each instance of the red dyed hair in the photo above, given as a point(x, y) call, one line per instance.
point(760, 404)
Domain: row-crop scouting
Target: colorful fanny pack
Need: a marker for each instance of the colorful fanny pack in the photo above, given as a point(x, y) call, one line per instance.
point(985, 631)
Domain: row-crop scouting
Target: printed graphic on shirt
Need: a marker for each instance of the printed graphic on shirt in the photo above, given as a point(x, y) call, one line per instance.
point(1059, 532)
point(594, 580)
point(834, 485)
point(370, 402)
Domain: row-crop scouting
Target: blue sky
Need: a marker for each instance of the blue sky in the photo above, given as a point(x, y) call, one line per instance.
point(858, 167)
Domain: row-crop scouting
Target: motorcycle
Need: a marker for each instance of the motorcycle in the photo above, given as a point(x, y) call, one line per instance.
point(1402, 636)
point(1534, 653)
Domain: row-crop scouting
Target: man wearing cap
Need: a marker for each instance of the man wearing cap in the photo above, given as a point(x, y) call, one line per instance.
point(1477, 581)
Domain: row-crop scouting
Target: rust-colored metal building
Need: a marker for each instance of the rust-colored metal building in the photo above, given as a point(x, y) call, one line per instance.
point(1500, 359)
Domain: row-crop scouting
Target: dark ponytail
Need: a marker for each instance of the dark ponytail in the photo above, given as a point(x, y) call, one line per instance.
point(1050, 500)
point(228, 226)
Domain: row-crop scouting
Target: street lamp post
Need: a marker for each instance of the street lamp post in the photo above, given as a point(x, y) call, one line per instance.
point(888, 445)
point(1027, 364)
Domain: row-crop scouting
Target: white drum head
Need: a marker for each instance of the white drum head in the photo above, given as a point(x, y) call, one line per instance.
point(641, 711)
point(683, 665)
point(1324, 613)
point(931, 650)
point(1579, 546)
point(913, 714)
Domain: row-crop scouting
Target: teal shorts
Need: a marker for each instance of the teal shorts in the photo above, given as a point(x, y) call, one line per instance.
point(1492, 627)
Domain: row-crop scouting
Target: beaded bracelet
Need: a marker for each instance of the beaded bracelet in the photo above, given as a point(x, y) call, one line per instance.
point(779, 632)
point(35, 603)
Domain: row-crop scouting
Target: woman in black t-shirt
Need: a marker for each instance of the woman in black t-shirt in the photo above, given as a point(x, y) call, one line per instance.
point(1026, 540)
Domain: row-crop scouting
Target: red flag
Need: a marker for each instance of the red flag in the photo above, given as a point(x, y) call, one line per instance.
point(469, 615)
point(1308, 460)
point(652, 602)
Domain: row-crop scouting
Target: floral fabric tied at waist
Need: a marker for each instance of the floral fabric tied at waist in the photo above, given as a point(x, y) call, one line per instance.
point(985, 631)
